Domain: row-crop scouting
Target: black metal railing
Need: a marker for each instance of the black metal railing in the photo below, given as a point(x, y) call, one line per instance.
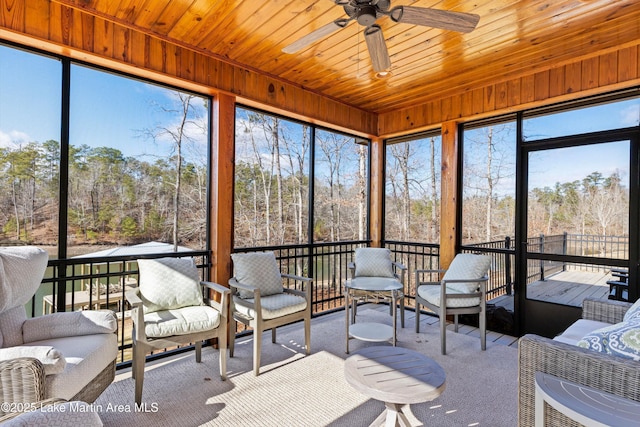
point(100, 282)
point(327, 263)
point(414, 256)
point(502, 270)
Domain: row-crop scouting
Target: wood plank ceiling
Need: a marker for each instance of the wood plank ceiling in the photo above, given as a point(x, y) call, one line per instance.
point(511, 38)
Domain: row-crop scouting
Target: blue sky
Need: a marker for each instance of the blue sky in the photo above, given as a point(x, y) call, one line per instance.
point(112, 111)
point(106, 110)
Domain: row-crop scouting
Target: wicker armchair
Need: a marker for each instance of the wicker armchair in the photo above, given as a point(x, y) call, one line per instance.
point(70, 356)
point(605, 372)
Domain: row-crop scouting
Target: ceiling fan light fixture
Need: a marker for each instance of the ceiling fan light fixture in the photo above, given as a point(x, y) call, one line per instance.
point(385, 74)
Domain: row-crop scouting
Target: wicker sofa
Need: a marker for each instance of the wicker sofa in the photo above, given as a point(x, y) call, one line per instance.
point(613, 374)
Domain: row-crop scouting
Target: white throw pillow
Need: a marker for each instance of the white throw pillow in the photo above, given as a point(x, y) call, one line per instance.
point(258, 269)
point(168, 283)
point(373, 262)
point(21, 271)
point(467, 266)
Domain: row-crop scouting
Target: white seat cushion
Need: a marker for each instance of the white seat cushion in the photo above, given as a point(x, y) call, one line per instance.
point(579, 329)
point(180, 321)
point(274, 306)
point(431, 293)
point(85, 356)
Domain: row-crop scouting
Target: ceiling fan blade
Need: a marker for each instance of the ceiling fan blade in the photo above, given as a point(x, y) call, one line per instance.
point(316, 35)
point(377, 48)
point(446, 20)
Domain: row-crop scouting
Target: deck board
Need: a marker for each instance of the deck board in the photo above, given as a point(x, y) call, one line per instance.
point(566, 287)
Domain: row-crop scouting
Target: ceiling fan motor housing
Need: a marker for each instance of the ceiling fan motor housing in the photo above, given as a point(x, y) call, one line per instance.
point(366, 15)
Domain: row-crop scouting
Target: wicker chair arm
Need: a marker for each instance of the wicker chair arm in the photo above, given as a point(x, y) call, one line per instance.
point(22, 381)
point(612, 374)
point(604, 310)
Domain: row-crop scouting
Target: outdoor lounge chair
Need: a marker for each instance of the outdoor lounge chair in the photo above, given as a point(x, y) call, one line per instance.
point(169, 309)
point(261, 302)
point(462, 290)
point(376, 265)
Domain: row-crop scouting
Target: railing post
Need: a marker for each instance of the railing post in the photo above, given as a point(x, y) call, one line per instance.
point(507, 265)
point(564, 249)
point(541, 261)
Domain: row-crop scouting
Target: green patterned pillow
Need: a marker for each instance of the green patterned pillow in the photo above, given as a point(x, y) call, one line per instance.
point(621, 339)
point(169, 283)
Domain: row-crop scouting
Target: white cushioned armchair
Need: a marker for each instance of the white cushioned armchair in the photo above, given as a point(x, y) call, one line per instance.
point(172, 307)
point(375, 267)
point(70, 356)
point(462, 290)
point(261, 302)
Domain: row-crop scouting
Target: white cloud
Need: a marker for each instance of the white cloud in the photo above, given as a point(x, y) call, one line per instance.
point(631, 115)
point(13, 138)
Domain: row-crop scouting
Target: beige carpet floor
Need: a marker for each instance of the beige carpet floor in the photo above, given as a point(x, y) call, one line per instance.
point(298, 390)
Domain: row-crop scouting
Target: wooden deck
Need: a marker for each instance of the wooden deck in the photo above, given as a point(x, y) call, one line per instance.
point(566, 287)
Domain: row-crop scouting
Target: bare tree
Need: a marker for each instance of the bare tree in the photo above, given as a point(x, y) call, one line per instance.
point(178, 133)
point(489, 157)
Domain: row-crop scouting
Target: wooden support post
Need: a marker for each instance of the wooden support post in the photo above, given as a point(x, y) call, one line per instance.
point(222, 176)
point(377, 191)
point(449, 192)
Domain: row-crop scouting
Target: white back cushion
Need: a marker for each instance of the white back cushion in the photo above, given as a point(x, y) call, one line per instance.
point(373, 262)
point(168, 283)
point(467, 266)
point(258, 269)
point(21, 272)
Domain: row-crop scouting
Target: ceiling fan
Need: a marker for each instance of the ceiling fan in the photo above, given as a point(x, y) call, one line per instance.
point(366, 12)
